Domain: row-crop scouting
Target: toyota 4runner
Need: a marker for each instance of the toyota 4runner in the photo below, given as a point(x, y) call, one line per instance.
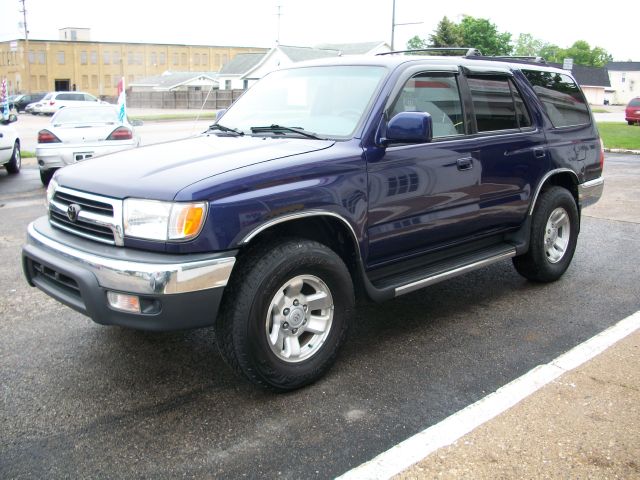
point(372, 176)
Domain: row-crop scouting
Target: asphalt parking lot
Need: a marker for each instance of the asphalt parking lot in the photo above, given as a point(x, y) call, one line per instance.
point(83, 400)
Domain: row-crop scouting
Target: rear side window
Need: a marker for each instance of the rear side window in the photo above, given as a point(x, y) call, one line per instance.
point(635, 102)
point(563, 101)
point(497, 104)
point(436, 94)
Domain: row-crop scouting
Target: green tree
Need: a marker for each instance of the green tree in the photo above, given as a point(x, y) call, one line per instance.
point(480, 33)
point(416, 43)
point(446, 34)
point(528, 46)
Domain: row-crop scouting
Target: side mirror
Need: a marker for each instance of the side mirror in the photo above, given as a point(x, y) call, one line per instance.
point(409, 127)
point(220, 113)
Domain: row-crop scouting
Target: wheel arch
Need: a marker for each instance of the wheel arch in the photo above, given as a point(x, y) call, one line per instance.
point(328, 228)
point(561, 177)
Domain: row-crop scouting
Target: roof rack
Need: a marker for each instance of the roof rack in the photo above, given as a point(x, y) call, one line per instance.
point(472, 53)
point(519, 57)
point(468, 52)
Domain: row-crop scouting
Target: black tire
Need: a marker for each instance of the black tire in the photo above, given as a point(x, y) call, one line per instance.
point(46, 175)
point(545, 261)
point(629, 122)
point(16, 160)
point(248, 309)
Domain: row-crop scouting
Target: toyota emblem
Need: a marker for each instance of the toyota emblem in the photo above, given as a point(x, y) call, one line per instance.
point(72, 212)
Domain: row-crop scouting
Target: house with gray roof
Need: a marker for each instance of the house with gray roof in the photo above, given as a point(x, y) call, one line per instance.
point(176, 81)
point(247, 68)
point(594, 82)
point(625, 81)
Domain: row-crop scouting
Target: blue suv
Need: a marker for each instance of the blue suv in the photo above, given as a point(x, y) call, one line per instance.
point(342, 178)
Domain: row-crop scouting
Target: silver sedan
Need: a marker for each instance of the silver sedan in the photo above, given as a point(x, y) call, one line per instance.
point(80, 133)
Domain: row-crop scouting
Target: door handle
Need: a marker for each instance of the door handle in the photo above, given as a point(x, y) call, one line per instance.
point(465, 163)
point(539, 152)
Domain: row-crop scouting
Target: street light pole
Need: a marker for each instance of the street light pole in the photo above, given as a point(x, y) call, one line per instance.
point(394, 25)
point(26, 46)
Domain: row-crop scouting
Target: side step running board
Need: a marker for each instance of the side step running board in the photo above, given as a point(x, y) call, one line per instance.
point(393, 286)
point(439, 277)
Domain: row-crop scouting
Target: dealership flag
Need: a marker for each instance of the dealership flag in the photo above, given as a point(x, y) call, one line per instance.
point(122, 100)
point(4, 98)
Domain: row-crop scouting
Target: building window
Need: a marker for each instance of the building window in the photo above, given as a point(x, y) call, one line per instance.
point(42, 57)
point(85, 81)
point(106, 58)
point(183, 58)
point(154, 58)
point(42, 85)
point(32, 57)
point(83, 58)
point(116, 58)
point(624, 77)
point(60, 58)
point(107, 80)
point(227, 84)
point(94, 57)
point(162, 58)
point(245, 84)
point(175, 59)
point(139, 58)
point(196, 59)
point(94, 81)
point(205, 59)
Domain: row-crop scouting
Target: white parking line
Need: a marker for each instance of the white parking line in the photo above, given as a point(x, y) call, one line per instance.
point(416, 448)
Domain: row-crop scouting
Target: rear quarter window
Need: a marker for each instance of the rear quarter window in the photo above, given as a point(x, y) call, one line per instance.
point(561, 98)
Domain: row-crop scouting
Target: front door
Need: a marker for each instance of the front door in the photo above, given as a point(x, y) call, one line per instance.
point(62, 85)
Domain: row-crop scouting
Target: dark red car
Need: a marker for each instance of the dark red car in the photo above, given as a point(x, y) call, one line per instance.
point(632, 112)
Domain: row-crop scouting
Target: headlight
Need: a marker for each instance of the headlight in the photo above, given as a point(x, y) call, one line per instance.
point(153, 220)
point(51, 190)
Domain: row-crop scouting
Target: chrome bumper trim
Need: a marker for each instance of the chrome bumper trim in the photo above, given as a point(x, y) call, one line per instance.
point(140, 277)
point(590, 192)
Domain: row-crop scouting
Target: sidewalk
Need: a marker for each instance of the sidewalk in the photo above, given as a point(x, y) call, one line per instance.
point(585, 424)
point(575, 417)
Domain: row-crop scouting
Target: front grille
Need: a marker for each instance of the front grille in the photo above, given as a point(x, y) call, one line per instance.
point(98, 218)
point(55, 278)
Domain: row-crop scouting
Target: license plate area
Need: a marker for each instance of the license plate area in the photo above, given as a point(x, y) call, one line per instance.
point(80, 156)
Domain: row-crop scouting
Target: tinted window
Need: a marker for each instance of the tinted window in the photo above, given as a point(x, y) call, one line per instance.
point(65, 96)
point(436, 94)
point(497, 104)
point(89, 98)
point(635, 102)
point(562, 99)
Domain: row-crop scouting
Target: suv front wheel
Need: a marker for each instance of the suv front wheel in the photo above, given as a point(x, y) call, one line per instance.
point(285, 313)
point(554, 233)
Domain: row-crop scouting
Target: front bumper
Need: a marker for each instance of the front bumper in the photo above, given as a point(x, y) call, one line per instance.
point(176, 291)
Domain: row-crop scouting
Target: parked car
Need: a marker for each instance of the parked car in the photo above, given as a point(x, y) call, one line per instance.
point(10, 145)
point(75, 134)
point(372, 176)
point(54, 101)
point(632, 112)
point(20, 102)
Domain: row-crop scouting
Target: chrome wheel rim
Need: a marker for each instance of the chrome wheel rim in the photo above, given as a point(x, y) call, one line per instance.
point(556, 235)
point(18, 157)
point(299, 318)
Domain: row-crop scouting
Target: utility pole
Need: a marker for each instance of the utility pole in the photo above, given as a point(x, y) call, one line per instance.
point(279, 14)
point(394, 25)
point(26, 45)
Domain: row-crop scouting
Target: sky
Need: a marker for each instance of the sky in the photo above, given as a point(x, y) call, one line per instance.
point(308, 23)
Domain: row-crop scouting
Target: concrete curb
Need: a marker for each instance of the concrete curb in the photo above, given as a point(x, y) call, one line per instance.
point(622, 150)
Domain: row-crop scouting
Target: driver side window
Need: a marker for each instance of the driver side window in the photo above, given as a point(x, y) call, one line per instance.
point(436, 94)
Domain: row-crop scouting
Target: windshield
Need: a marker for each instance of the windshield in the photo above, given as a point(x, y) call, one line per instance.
point(86, 115)
point(328, 101)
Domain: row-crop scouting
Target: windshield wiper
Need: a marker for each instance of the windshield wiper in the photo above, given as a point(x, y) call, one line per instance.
point(281, 129)
point(222, 128)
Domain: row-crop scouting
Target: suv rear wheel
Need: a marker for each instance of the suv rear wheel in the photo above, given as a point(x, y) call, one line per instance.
point(16, 160)
point(554, 233)
point(285, 313)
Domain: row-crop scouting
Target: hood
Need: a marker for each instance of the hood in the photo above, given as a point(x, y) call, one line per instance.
point(160, 171)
